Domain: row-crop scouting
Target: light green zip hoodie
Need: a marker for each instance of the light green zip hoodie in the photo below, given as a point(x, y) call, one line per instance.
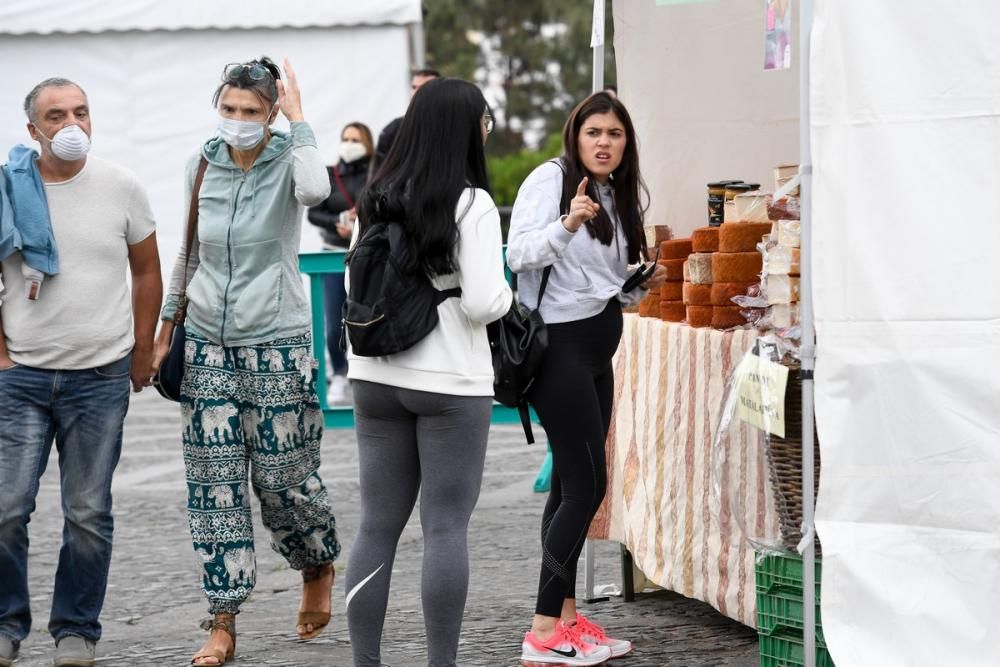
point(244, 286)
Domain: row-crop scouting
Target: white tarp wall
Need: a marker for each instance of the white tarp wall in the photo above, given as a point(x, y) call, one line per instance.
point(906, 152)
point(693, 80)
point(150, 68)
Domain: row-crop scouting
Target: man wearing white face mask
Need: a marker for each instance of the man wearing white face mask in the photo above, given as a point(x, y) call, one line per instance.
point(66, 359)
point(335, 218)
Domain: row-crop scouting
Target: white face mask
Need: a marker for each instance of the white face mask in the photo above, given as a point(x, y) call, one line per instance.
point(352, 151)
point(241, 134)
point(70, 143)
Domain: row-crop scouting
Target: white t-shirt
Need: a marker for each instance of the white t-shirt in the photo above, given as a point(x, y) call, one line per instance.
point(83, 316)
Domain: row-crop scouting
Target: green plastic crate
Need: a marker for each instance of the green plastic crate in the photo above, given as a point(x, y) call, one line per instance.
point(784, 572)
point(780, 613)
point(787, 649)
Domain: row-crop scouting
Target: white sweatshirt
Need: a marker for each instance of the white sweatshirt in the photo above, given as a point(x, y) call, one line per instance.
point(455, 357)
point(585, 272)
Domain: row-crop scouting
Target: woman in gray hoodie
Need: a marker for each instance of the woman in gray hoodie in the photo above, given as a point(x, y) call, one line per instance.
point(251, 416)
point(581, 219)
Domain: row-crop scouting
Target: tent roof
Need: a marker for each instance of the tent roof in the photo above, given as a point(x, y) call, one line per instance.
point(19, 17)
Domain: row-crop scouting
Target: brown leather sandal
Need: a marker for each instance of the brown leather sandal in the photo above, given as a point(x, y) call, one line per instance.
point(225, 622)
point(317, 619)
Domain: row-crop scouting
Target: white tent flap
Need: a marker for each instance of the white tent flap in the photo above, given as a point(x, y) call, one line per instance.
point(905, 136)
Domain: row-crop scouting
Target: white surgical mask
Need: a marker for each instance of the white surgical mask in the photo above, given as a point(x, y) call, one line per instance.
point(352, 151)
point(70, 143)
point(241, 134)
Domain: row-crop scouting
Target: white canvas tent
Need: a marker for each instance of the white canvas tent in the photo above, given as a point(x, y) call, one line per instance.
point(149, 69)
point(904, 126)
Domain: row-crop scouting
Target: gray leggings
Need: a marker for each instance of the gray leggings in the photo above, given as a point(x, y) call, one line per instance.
point(410, 441)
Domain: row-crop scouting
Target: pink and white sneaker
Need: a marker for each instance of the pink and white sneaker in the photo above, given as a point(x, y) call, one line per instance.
point(565, 647)
point(594, 635)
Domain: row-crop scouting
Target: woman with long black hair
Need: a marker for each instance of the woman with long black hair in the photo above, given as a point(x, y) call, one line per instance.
point(581, 215)
point(422, 415)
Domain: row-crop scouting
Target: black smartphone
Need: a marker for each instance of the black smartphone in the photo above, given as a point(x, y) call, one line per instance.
point(641, 274)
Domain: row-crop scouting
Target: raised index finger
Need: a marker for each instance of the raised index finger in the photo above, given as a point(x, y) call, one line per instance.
point(581, 189)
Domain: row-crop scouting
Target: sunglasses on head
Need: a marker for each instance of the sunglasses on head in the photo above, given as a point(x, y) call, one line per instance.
point(255, 71)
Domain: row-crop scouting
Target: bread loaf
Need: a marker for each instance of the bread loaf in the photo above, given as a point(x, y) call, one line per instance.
point(657, 234)
point(699, 316)
point(727, 317)
point(743, 236)
point(700, 268)
point(729, 211)
point(672, 290)
point(705, 239)
point(675, 249)
point(784, 315)
point(723, 293)
point(788, 233)
point(697, 295)
point(735, 267)
point(675, 268)
point(672, 311)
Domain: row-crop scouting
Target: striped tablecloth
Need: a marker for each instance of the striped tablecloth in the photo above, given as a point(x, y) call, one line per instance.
point(665, 502)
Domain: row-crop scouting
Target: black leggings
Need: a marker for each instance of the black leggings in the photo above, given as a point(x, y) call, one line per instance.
point(572, 397)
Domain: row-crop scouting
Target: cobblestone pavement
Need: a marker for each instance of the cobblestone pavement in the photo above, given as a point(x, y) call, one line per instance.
point(154, 601)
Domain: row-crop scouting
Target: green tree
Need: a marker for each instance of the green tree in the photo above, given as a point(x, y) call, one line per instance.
point(535, 56)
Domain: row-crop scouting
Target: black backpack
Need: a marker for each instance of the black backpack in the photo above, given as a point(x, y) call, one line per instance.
point(391, 304)
point(518, 341)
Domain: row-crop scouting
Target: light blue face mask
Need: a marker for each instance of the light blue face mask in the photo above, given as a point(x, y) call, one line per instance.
point(241, 134)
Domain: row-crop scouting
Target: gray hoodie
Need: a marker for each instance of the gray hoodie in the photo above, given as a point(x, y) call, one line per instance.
point(585, 272)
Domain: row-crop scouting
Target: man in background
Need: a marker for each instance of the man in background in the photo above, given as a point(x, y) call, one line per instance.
point(389, 132)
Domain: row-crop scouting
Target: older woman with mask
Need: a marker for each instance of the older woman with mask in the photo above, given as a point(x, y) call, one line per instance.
point(250, 414)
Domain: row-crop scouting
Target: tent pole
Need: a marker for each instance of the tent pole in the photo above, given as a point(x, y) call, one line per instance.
point(597, 42)
point(808, 340)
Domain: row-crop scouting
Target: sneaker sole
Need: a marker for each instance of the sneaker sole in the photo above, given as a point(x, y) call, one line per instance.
point(559, 660)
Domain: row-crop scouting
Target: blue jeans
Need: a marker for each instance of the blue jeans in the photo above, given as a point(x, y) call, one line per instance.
point(335, 295)
point(83, 412)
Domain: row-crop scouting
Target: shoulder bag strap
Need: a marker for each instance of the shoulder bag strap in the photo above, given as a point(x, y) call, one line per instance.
point(340, 186)
point(189, 236)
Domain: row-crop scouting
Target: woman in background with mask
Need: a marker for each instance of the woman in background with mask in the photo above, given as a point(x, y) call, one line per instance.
point(248, 398)
point(335, 217)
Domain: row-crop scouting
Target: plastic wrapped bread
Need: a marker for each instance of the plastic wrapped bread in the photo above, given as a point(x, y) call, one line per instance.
point(752, 206)
point(699, 267)
point(781, 289)
point(729, 211)
point(786, 232)
point(783, 315)
point(782, 260)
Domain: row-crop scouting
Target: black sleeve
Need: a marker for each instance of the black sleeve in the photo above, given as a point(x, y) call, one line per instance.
point(322, 217)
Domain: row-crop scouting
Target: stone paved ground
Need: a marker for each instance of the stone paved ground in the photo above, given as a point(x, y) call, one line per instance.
point(154, 601)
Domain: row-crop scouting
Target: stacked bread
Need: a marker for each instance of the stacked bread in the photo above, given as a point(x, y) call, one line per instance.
point(737, 264)
point(673, 254)
point(782, 256)
point(697, 288)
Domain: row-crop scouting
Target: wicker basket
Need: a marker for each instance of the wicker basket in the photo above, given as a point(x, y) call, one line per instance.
point(784, 461)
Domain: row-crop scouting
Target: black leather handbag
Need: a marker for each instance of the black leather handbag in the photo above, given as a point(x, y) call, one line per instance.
point(518, 342)
point(167, 380)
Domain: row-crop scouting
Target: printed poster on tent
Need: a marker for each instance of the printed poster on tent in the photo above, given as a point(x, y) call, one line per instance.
point(777, 34)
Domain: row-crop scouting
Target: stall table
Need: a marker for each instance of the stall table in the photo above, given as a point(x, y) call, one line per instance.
point(665, 503)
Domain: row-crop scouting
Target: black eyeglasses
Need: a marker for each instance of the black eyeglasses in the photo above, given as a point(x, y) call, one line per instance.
point(254, 70)
point(488, 122)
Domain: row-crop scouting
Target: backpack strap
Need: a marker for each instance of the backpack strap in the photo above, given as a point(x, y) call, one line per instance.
point(522, 410)
point(541, 288)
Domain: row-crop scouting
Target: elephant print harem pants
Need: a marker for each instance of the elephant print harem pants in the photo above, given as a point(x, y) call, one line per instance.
point(253, 409)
